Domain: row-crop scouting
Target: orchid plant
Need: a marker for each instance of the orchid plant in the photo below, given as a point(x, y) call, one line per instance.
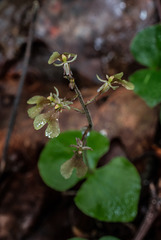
point(72, 156)
point(53, 105)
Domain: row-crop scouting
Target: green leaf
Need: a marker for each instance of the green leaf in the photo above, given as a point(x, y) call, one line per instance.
point(100, 145)
point(55, 153)
point(148, 85)
point(111, 193)
point(146, 46)
point(108, 238)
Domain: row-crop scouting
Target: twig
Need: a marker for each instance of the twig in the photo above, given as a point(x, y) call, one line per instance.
point(152, 213)
point(159, 8)
point(34, 11)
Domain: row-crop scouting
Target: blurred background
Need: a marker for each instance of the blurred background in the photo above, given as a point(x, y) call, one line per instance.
point(100, 32)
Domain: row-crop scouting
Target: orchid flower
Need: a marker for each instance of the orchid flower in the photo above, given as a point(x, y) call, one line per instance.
point(64, 60)
point(51, 107)
point(115, 79)
point(75, 162)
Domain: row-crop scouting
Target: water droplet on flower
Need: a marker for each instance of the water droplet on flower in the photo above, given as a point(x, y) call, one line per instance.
point(39, 121)
point(53, 129)
point(48, 134)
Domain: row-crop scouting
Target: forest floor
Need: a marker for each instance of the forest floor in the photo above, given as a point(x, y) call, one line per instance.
point(29, 210)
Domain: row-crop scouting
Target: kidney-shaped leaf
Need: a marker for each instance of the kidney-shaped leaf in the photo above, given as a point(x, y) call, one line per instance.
point(111, 193)
point(146, 46)
point(148, 85)
point(100, 145)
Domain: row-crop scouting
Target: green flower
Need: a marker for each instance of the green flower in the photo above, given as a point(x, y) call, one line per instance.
point(115, 79)
point(51, 107)
point(64, 60)
point(80, 146)
point(75, 162)
point(57, 102)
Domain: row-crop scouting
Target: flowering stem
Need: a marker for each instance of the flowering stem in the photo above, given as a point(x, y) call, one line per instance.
point(90, 124)
point(73, 86)
point(86, 111)
point(78, 110)
point(81, 100)
point(93, 99)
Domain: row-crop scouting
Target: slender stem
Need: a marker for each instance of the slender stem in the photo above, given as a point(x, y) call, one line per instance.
point(21, 83)
point(74, 87)
point(89, 119)
point(90, 124)
point(86, 111)
point(78, 110)
point(93, 99)
point(74, 98)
